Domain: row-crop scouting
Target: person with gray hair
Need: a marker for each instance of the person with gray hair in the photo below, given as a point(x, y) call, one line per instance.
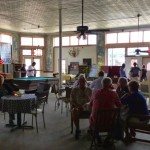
point(97, 84)
point(122, 87)
point(103, 98)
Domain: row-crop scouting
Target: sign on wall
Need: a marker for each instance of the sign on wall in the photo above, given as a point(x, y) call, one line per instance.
point(5, 53)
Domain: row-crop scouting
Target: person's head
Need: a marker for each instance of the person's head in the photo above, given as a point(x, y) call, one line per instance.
point(133, 86)
point(134, 64)
point(101, 74)
point(123, 65)
point(106, 82)
point(1, 80)
point(143, 66)
point(122, 82)
point(34, 63)
point(81, 81)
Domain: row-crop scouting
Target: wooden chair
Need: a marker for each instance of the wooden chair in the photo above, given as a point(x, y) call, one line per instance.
point(40, 108)
point(105, 121)
point(140, 127)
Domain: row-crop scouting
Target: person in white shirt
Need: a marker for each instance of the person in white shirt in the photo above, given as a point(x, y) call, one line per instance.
point(31, 70)
point(96, 84)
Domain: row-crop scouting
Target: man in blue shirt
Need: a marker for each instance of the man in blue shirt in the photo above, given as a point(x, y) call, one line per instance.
point(136, 103)
point(122, 71)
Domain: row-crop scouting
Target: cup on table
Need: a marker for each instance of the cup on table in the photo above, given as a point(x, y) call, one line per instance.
point(22, 91)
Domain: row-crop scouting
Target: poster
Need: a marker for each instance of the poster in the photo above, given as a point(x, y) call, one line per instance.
point(74, 68)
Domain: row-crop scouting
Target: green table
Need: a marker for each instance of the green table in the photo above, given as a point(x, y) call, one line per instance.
point(32, 82)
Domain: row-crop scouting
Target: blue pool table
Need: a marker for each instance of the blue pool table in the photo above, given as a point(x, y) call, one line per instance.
point(32, 82)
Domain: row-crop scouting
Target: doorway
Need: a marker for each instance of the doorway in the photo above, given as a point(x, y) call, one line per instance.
point(146, 62)
point(29, 60)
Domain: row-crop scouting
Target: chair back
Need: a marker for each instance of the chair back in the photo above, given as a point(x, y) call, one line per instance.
point(68, 92)
point(41, 100)
point(105, 119)
point(43, 86)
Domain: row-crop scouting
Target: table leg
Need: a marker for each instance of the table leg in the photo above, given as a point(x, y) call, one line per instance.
point(19, 124)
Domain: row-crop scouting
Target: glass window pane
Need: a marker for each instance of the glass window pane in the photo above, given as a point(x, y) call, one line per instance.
point(123, 37)
point(111, 38)
point(38, 52)
point(26, 41)
point(136, 36)
point(65, 41)
point(82, 41)
point(116, 56)
point(5, 38)
point(92, 39)
point(131, 51)
point(73, 40)
point(26, 52)
point(38, 41)
point(146, 36)
point(56, 41)
point(148, 67)
point(64, 66)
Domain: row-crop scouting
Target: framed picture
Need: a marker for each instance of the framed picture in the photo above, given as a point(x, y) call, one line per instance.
point(87, 61)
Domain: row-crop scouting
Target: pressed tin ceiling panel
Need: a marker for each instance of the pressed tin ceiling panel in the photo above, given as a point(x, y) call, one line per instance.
point(27, 15)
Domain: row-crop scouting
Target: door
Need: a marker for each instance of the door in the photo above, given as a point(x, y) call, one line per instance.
point(129, 63)
point(146, 62)
point(29, 60)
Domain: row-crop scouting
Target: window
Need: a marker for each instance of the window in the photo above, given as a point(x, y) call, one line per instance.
point(64, 66)
point(92, 39)
point(116, 56)
point(56, 41)
point(73, 40)
point(26, 52)
point(38, 41)
point(131, 51)
point(27, 41)
point(148, 67)
point(146, 36)
point(82, 41)
point(136, 36)
point(111, 38)
point(65, 41)
point(37, 52)
point(5, 38)
point(123, 37)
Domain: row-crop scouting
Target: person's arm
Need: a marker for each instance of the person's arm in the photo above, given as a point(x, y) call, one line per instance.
point(116, 99)
point(125, 99)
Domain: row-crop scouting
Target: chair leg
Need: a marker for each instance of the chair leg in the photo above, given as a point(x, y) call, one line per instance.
point(23, 120)
point(36, 123)
point(57, 104)
point(43, 119)
point(93, 142)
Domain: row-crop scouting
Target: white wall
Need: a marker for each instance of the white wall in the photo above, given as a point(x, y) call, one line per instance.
point(84, 52)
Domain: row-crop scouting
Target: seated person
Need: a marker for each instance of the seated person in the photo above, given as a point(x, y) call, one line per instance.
point(122, 87)
point(103, 98)
point(96, 84)
point(79, 96)
point(76, 83)
point(6, 90)
point(137, 105)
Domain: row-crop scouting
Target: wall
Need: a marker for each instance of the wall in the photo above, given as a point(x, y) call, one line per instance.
point(84, 52)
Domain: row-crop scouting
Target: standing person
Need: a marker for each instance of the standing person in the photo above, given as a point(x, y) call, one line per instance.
point(23, 71)
point(134, 72)
point(143, 73)
point(97, 84)
point(122, 71)
point(31, 70)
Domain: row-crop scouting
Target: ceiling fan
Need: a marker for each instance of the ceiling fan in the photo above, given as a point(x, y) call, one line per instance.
point(138, 51)
point(83, 30)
